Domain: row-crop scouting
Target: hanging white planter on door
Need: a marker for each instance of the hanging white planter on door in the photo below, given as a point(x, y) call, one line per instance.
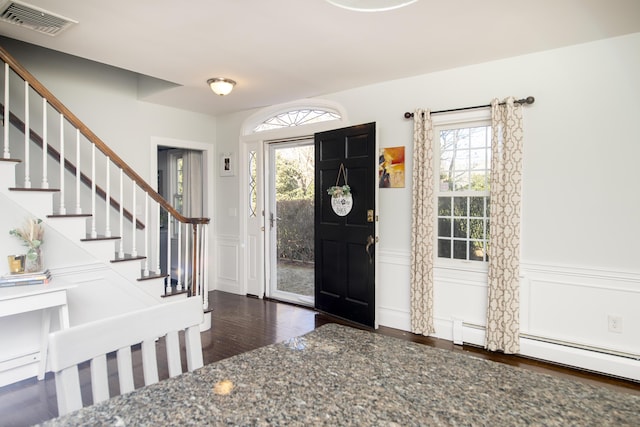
point(341, 198)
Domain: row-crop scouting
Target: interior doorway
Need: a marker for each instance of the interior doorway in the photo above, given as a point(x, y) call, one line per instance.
point(289, 221)
point(180, 182)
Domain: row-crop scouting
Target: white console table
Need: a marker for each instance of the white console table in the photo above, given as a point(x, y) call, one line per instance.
point(48, 298)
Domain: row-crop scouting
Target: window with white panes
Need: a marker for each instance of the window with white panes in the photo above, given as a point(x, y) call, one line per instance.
point(463, 191)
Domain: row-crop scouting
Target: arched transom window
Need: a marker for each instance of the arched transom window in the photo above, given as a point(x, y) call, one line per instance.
point(297, 117)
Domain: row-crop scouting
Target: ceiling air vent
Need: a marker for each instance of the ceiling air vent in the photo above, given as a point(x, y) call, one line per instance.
point(33, 17)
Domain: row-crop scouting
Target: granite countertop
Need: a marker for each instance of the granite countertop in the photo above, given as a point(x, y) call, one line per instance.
point(338, 375)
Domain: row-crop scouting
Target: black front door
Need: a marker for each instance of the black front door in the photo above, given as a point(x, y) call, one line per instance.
point(344, 242)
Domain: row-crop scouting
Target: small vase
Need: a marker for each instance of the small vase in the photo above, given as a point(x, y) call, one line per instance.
point(33, 261)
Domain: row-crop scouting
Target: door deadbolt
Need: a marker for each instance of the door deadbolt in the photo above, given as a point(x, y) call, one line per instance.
point(370, 215)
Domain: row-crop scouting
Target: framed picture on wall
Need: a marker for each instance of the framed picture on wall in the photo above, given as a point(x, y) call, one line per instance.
point(227, 164)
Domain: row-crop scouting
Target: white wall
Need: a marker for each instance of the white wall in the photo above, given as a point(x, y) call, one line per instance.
point(580, 206)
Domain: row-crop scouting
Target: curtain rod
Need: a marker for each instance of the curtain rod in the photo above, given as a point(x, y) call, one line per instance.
point(528, 100)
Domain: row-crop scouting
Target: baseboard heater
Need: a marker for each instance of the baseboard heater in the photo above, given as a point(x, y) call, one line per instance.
point(579, 346)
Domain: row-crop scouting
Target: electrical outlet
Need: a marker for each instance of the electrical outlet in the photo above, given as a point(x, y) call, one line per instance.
point(615, 324)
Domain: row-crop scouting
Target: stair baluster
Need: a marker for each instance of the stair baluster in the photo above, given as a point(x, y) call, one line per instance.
point(121, 246)
point(27, 178)
point(62, 210)
point(7, 153)
point(45, 142)
point(78, 174)
point(134, 250)
point(94, 231)
point(107, 198)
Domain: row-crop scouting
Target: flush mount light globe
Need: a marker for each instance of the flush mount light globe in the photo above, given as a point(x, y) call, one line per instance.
point(221, 86)
point(371, 5)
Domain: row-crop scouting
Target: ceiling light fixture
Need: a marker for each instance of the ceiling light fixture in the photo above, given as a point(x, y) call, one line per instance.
point(371, 5)
point(221, 86)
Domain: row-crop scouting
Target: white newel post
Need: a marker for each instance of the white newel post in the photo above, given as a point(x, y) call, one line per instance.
point(157, 258)
point(168, 286)
point(187, 264)
point(146, 234)
point(205, 281)
point(180, 267)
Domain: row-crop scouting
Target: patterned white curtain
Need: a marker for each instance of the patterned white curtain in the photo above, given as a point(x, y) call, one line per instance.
point(503, 308)
point(422, 224)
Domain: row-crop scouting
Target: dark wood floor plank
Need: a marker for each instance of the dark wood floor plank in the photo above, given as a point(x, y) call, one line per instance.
point(241, 324)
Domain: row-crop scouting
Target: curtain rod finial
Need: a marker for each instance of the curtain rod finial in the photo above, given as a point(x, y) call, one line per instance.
point(530, 100)
point(408, 115)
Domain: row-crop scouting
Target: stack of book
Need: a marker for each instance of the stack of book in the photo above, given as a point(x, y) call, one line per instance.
point(18, 279)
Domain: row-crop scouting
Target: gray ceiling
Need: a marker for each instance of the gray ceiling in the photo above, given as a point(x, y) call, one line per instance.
point(283, 50)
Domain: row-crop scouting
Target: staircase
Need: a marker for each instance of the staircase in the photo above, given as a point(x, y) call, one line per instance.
point(72, 227)
point(55, 168)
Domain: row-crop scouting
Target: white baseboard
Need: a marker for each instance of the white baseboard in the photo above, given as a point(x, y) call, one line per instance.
point(393, 318)
point(20, 372)
point(608, 364)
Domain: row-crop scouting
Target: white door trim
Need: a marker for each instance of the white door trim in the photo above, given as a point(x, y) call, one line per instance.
point(208, 187)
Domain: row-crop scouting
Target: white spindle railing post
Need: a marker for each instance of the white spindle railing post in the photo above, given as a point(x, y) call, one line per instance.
point(168, 284)
point(45, 178)
point(94, 232)
point(78, 173)
point(121, 219)
point(146, 235)
point(62, 210)
point(7, 153)
point(180, 270)
point(134, 250)
point(107, 200)
point(205, 270)
point(198, 257)
point(27, 132)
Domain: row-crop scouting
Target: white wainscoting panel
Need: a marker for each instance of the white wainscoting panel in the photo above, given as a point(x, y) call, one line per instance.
point(572, 305)
point(393, 291)
point(227, 264)
point(564, 311)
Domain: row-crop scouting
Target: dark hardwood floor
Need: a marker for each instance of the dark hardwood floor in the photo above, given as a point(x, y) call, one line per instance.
point(241, 324)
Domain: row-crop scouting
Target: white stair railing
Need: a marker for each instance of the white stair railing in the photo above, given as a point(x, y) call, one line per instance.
point(188, 268)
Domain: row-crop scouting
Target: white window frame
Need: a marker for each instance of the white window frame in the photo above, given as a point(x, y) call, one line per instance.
point(460, 119)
